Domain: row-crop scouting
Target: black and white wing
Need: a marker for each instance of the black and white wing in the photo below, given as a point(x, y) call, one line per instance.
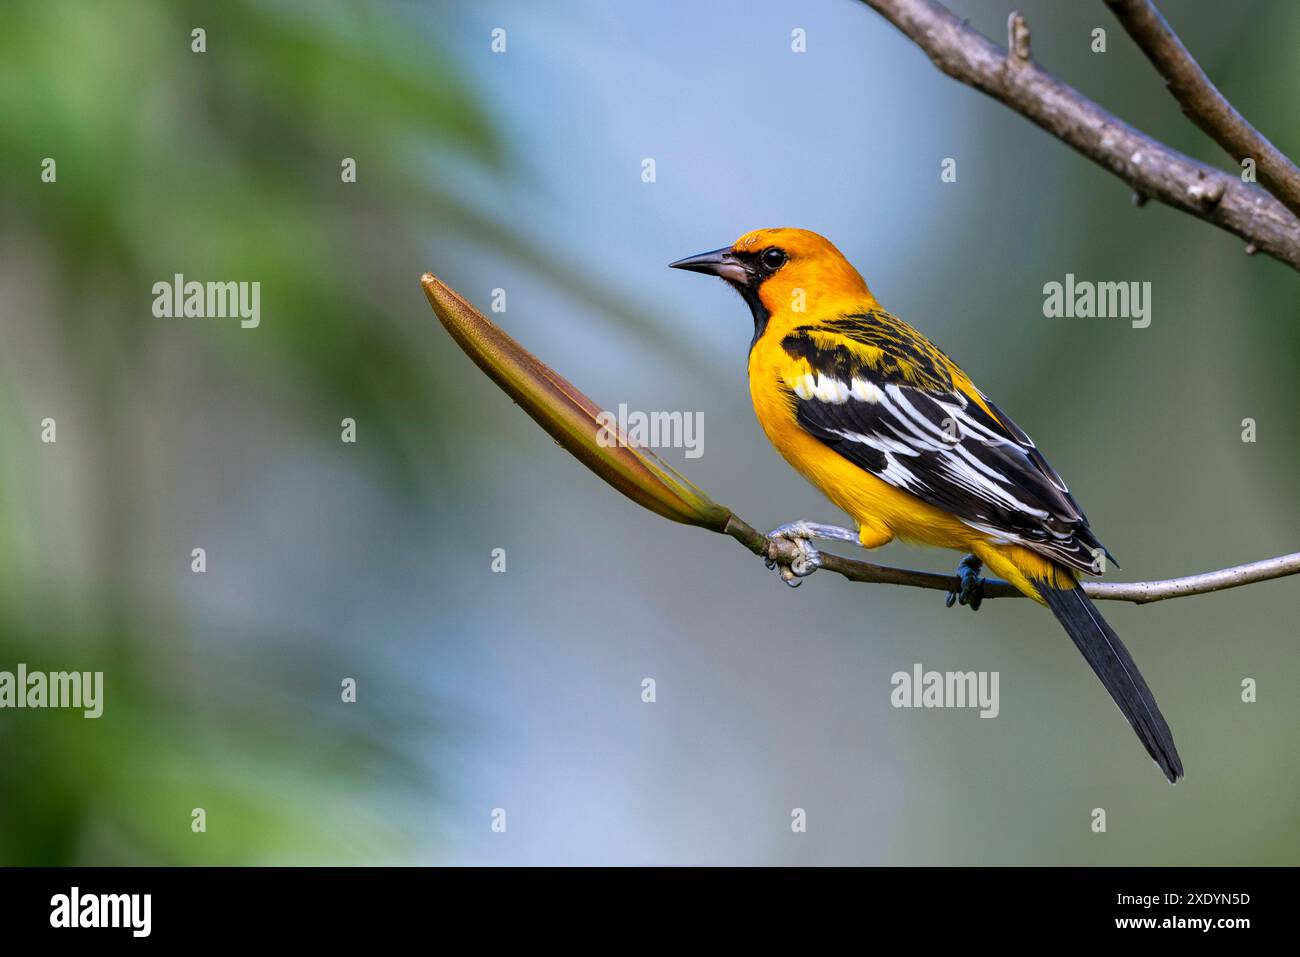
point(898, 414)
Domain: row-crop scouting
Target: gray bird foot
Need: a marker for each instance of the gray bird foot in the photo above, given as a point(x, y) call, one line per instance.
point(809, 559)
point(971, 590)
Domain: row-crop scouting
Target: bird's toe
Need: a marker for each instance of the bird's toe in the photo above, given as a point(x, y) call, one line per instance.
point(970, 591)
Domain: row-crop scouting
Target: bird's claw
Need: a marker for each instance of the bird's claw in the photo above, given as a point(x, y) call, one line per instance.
point(971, 590)
point(802, 565)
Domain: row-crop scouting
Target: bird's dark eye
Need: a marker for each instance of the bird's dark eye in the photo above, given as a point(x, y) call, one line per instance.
point(773, 258)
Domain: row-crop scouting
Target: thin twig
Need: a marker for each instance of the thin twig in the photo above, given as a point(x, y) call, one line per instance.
point(1151, 168)
point(1201, 100)
point(1140, 593)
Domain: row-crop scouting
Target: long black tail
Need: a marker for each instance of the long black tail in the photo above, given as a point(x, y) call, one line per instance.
point(1114, 666)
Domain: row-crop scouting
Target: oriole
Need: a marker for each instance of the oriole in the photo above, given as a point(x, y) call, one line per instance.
point(898, 436)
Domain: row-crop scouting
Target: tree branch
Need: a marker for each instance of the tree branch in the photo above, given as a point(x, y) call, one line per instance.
point(1140, 593)
point(1149, 167)
point(1202, 102)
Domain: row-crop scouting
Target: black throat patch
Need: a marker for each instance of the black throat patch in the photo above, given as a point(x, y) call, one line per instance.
point(749, 292)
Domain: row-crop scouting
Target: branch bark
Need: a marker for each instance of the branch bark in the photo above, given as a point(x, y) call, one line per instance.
point(1139, 593)
point(1202, 102)
point(1151, 168)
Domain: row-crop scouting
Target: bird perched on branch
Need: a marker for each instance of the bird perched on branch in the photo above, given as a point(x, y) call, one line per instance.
point(899, 437)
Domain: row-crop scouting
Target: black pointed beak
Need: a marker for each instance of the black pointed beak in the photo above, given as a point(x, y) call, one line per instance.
point(719, 262)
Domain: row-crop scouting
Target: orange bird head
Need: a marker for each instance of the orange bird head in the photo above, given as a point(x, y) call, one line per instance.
point(785, 273)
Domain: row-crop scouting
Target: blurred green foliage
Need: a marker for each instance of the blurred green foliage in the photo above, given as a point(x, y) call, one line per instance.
point(215, 165)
